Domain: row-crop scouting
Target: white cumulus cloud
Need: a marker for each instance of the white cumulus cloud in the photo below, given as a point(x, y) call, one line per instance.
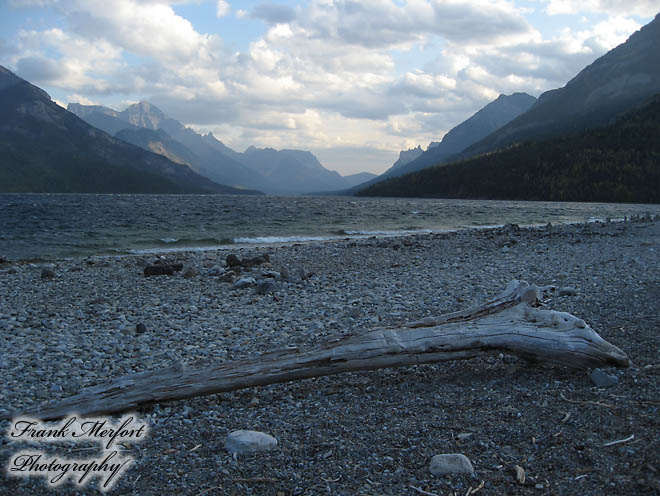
point(222, 8)
point(378, 75)
point(645, 8)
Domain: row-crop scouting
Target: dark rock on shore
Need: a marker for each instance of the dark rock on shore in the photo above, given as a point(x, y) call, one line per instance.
point(251, 262)
point(189, 273)
point(47, 273)
point(602, 379)
point(158, 270)
point(232, 260)
point(162, 269)
point(266, 286)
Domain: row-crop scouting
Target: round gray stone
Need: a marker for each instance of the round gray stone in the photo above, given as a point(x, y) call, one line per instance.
point(249, 441)
point(454, 463)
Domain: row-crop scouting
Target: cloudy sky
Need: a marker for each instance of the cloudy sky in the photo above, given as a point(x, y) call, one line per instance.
point(352, 81)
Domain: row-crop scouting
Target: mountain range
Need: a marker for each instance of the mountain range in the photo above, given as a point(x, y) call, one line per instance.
point(616, 163)
point(266, 169)
point(603, 95)
point(44, 148)
point(624, 77)
point(488, 119)
point(493, 116)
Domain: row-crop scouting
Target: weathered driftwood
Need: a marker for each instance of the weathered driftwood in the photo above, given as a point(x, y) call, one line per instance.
point(508, 323)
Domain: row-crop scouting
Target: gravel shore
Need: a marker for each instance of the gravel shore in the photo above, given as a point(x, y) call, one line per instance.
point(74, 323)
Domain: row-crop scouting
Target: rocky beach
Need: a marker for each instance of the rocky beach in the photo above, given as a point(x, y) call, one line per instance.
point(525, 428)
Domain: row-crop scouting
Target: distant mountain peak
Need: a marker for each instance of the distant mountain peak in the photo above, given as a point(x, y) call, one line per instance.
point(48, 149)
point(407, 156)
point(279, 172)
point(144, 114)
point(491, 117)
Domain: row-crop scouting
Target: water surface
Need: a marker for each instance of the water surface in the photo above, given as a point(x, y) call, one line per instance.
point(48, 226)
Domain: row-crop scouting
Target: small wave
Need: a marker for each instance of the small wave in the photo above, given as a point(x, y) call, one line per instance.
point(280, 239)
point(192, 242)
point(481, 226)
point(174, 249)
point(403, 232)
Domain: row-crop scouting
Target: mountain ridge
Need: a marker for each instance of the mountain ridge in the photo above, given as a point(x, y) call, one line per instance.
point(284, 171)
point(48, 149)
point(626, 75)
point(616, 163)
point(480, 124)
point(486, 120)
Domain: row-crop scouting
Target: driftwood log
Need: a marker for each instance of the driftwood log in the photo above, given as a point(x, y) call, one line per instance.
point(509, 323)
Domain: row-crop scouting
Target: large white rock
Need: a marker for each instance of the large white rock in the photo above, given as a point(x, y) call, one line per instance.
point(249, 441)
point(454, 463)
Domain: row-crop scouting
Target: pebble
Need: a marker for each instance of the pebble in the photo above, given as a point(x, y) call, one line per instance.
point(244, 282)
point(265, 287)
point(47, 273)
point(232, 260)
point(189, 273)
point(245, 441)
point(602, 379)
point(44, 326)
point(158, 270)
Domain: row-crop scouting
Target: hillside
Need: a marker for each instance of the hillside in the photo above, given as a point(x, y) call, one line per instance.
point(619, 80)
point(44, 148)
point(617, 163)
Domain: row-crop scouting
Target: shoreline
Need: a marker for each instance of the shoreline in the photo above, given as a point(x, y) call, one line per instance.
point(79, 328)
point(303, 239)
